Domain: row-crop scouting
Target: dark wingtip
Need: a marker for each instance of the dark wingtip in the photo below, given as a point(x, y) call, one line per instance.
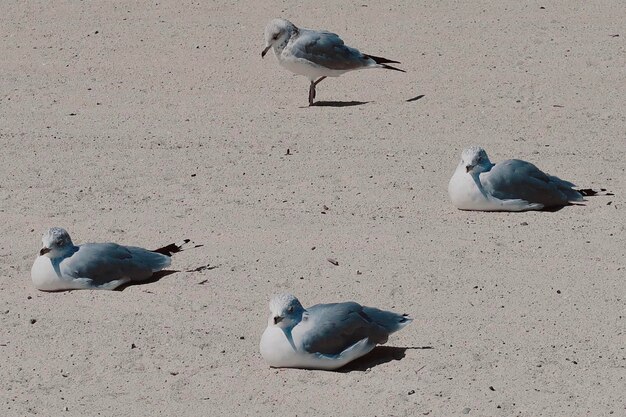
point(173, 248)
point(589, 192)
point(382, 61)
point(389, 67)
point(405, 318)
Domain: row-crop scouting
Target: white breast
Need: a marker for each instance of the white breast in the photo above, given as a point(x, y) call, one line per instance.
point(465, 194)
point(276, 349)
point(44, 276)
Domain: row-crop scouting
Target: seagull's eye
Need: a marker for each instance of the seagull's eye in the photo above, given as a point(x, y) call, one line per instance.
point(275, 36)
point(290, 310)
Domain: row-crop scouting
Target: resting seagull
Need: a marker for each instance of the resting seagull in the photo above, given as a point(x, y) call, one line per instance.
point(511, 185)
point(325, 336)
point(316, 54)
point(94, 266)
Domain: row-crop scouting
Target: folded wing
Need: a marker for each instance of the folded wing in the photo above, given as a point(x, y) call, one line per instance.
point(516, 179)
point(336, 327)
point(105, 262)
point(328, 50)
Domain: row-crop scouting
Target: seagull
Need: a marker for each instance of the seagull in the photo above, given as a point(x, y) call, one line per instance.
point(511, 185)
point(316, 54)
point(325, 336)
point(61, 265)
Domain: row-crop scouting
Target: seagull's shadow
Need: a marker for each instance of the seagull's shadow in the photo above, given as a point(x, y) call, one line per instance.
point(378, 356)
point(338, 103)
point(154, 278)
point(559, 208)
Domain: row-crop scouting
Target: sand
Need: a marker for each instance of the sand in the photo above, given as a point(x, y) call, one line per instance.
point(148, 122)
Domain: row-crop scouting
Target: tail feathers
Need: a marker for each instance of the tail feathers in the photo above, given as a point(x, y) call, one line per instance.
point(569, 191)
point(392, 322)
point(571, 194)
point(404, 321)
point(383, 61)
point(173, 248)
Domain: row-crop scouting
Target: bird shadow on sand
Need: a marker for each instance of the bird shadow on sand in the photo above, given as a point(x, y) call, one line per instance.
point(337, 103)
point(559, 208)
point(378, 356)
point(154, 278)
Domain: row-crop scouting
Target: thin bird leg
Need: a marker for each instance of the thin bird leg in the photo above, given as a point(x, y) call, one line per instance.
point(311, 93)
point(312, 89)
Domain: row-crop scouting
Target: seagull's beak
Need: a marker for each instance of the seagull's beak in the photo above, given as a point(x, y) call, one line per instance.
point(43, 251)
point(267, 48)
point(277, 319)
point(468, 168)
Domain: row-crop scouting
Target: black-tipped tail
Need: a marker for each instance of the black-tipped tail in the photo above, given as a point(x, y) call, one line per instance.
point(384, 61)
point(589, 192)
point(173, 248)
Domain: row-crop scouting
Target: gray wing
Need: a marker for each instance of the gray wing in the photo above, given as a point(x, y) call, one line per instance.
point(327, 50)
point(336, 327)
point(516, 179)
point(105, 262)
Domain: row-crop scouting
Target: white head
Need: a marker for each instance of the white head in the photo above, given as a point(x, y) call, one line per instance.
point(56, 241)
point(277, 34)
point(475, 160)
point(286, 311)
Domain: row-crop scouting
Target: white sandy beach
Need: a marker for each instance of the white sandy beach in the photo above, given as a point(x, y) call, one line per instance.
point(147, 122)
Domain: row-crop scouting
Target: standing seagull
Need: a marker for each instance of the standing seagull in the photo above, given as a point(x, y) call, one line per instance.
point(94, 266)
point(316, 54)
point(325, 336)
point(511, 185)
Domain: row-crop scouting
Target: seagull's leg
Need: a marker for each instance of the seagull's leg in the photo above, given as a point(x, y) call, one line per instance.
point(311, 93)
point(312, 89)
